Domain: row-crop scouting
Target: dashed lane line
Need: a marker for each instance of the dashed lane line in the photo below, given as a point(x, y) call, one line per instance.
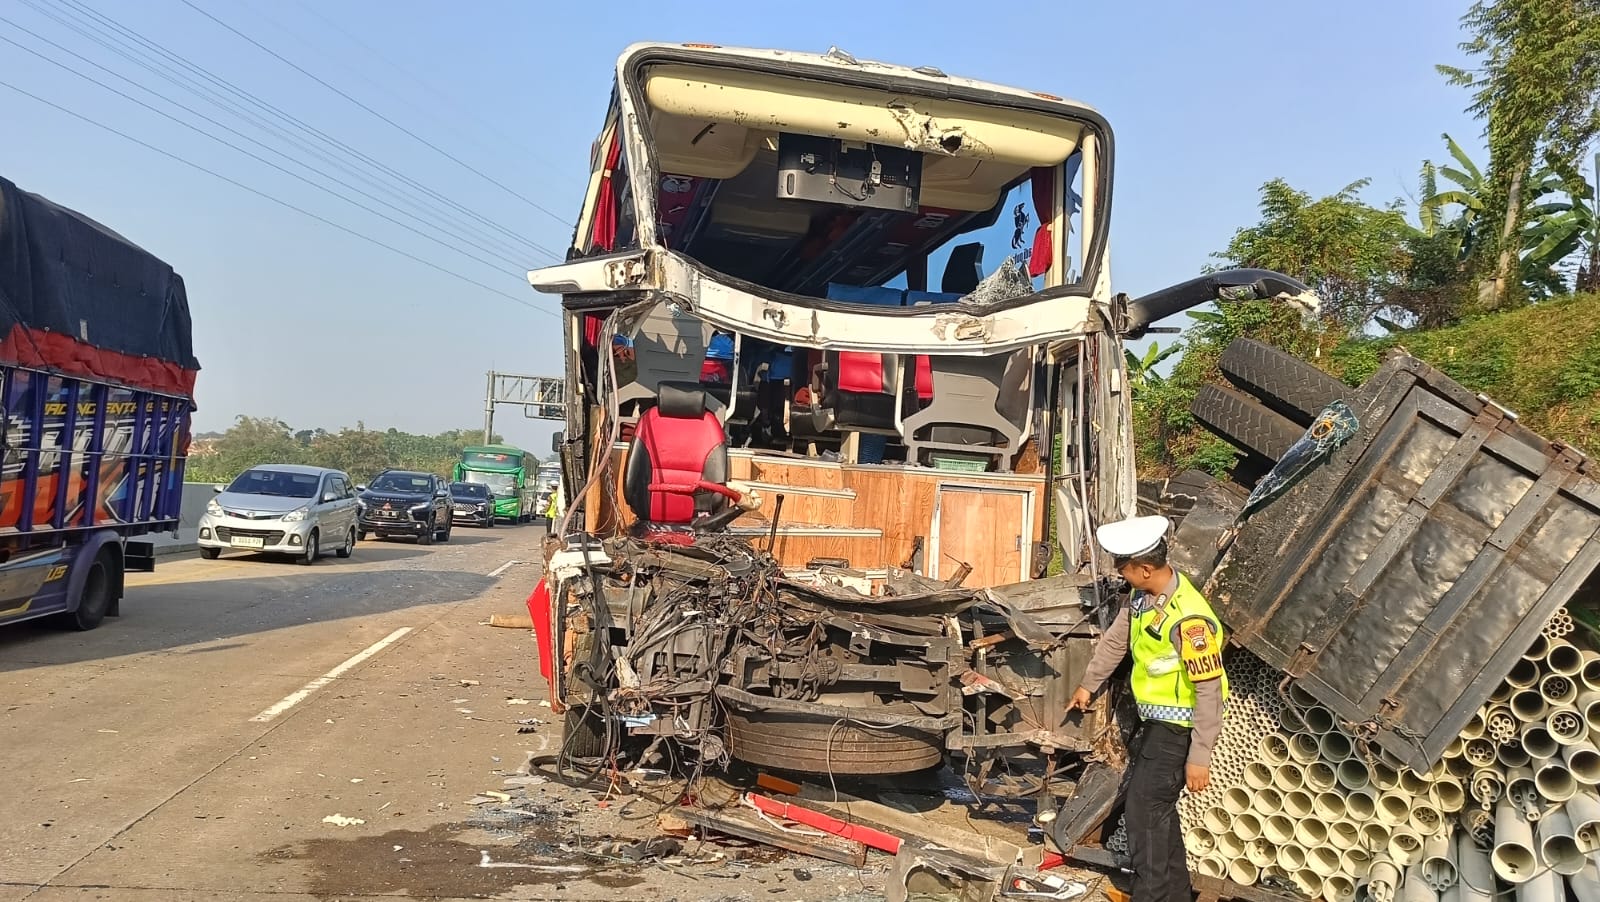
point(304, 692)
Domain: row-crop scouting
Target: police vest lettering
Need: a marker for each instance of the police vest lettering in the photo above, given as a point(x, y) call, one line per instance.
point(1175, 646)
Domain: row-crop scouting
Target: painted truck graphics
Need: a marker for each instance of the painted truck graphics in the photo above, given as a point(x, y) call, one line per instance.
point(80, 470)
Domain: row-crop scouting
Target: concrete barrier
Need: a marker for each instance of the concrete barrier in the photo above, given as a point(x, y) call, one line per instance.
point(195, 497)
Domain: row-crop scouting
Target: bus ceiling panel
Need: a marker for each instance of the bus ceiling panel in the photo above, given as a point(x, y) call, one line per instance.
point(774, 102)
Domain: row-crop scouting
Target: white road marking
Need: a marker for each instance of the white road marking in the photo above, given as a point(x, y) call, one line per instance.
point(304, 692)
point(495, 573)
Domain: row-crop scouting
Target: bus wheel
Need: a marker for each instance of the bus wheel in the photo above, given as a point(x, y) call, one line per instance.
point(96, 598)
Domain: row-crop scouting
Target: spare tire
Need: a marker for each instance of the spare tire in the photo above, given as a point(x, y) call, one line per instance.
point(809, 745)
point(1281, 381)
point(1245, 422)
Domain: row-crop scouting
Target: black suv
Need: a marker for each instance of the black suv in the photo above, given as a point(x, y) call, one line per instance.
point(405, 503)
point(473, 503)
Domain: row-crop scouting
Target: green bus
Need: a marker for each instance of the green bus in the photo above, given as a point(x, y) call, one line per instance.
point(504, 470)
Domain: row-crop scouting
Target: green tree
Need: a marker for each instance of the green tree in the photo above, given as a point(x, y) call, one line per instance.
point(1351, 253)
point(359, 452)
point(1539, 258)
point(1536, 87)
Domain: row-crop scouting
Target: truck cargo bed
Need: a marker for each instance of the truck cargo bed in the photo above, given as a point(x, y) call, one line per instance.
point(1399, 580)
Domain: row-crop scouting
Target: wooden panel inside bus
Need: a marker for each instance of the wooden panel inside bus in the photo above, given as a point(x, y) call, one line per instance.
point(872, 515)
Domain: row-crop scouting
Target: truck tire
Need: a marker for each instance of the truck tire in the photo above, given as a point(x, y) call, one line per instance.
point(95, 602)
point(1281, 381)
point(1244, 422)
point(825, 747)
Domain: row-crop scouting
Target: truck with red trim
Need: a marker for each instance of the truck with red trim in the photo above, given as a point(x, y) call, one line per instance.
point(97, 373)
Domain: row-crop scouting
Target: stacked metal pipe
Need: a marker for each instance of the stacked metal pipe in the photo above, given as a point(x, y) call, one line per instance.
point(1298, 804)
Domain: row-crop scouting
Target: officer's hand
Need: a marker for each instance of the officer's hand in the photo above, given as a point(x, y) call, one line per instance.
point(1080, 700)
point(1198, 777)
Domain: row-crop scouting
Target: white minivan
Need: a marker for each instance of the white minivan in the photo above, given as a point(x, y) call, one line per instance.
point(283, 509)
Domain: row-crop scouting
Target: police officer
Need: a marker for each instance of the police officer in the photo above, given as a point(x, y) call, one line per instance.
point(1179, 687)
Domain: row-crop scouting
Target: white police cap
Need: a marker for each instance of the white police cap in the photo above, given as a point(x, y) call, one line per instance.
point(1133, 536)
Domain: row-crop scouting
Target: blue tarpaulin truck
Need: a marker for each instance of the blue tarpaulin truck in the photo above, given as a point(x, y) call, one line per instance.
point(97, 374)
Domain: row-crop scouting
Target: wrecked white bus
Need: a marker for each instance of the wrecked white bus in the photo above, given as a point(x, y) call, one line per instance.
point(820, 452)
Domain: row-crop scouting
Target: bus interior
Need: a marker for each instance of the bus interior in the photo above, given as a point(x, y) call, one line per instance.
point(840, 222)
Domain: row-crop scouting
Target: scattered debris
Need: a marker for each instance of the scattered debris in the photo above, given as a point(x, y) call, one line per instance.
point(467, 682)
point(511, 621)
point(486, 862)
point(517, 701)
point(339, 820)
point(464, 711)
point(357, 780)
point(526, 780)
point(497, 795)
point(754, 828)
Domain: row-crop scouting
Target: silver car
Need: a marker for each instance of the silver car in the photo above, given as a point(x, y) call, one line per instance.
point(282, 509)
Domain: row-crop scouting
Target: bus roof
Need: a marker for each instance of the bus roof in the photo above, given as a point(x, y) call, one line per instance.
point(495, 449)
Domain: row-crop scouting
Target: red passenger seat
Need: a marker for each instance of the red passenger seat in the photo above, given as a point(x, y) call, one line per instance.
point(924, 378)
point(678, 460)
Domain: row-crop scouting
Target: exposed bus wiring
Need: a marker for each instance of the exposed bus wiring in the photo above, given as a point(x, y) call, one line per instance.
point(265, 196)
point(424, 141)
point(75, 7)
point(491, 252)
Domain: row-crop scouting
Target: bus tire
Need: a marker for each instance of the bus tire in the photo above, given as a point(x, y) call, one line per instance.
point(819, 746)
point(95, 601)
point(583, 732)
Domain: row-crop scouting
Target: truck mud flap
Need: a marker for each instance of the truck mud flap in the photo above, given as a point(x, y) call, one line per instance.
point(139, 557)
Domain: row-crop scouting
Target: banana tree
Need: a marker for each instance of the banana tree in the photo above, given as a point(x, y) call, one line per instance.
point(1559, 229)
point(1469, 193)
point(1142, 373)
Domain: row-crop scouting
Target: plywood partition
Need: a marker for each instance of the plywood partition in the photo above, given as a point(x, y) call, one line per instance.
point(873, 515)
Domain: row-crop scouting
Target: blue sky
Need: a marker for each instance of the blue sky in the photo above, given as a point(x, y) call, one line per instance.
point(299, 320)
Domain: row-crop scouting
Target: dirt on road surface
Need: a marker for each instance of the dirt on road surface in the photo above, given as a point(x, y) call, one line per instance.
point(249, 728)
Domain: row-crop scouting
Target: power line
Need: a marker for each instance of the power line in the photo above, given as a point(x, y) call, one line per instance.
point(254, 156)
point(265, 196)
point(105, 21)
point(417, 80)
point(424, 141)
point(240, 134)
point(119, 46)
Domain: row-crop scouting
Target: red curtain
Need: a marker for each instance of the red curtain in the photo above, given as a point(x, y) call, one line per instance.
point(605, 214)
point(1044, 183)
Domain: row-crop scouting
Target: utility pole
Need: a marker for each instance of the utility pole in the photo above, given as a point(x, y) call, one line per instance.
point(540, 397)
point(488, 411)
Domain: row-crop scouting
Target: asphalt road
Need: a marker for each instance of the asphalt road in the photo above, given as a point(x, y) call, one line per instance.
point(192, 748)
point(172, 753)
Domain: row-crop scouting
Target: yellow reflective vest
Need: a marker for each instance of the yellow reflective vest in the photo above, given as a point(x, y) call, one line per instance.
point(1164, 676)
